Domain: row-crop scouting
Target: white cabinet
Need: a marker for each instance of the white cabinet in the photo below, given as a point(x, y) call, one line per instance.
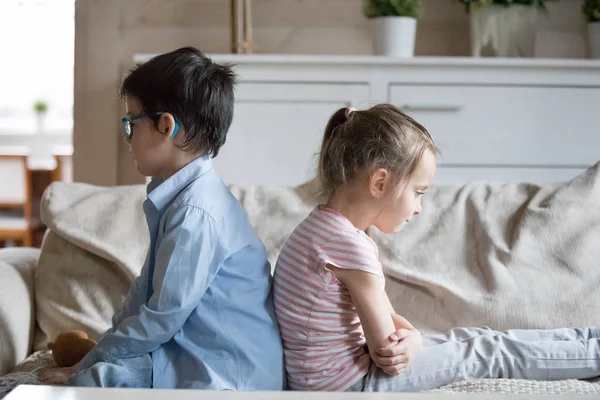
point(528, 126)
point(277, 130)
point(494, 119)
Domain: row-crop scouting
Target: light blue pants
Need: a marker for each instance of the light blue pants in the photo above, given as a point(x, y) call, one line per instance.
point(477, 353)
point(128, 373)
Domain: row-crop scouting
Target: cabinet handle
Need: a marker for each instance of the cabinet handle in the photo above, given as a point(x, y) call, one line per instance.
point(432, 107)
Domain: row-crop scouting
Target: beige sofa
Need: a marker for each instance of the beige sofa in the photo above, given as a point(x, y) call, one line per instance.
point(512, 255)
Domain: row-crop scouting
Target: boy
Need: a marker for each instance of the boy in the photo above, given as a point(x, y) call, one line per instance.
point(200, 315)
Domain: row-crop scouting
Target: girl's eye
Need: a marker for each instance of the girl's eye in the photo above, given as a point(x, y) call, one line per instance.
point(420, 193)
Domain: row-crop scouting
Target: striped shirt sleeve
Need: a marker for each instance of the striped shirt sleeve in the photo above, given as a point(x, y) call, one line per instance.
point(351, 251)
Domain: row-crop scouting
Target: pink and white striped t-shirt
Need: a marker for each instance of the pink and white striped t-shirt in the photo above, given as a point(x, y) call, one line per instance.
point(323, 340)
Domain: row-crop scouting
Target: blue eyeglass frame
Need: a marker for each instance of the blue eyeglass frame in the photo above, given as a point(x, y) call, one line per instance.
point(128, 127)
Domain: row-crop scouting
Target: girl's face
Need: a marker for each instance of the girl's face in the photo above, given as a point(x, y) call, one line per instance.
point(399, 208)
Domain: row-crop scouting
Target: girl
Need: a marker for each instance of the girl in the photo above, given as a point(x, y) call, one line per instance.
point(339, 330)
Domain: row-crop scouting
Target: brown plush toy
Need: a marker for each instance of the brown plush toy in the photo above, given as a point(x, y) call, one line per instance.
point(70, 347)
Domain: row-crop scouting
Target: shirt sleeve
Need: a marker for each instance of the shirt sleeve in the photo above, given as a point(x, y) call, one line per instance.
point(350, 251)
point(134, 300)
point(187, 260)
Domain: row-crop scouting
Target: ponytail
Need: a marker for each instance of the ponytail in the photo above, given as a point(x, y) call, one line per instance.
point(330, 172)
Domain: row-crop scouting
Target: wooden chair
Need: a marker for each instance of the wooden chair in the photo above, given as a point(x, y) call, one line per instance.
point(64, 168)
point(15, 200)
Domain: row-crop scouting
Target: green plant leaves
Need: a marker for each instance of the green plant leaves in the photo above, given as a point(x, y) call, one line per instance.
point(591, 10)
point(475, 4)
point(40, 106)
point(393, 8)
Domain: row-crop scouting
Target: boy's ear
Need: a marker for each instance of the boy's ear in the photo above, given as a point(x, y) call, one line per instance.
point(378, 183)
point(168, 126)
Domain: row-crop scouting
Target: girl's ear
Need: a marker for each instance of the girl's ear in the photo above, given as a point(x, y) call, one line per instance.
point(168, 126)
point(379, 183)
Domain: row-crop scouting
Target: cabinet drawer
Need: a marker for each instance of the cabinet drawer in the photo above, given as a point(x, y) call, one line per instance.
point(507, 125)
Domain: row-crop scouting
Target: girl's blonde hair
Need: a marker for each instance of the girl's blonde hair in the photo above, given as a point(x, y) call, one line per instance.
point(356, 143)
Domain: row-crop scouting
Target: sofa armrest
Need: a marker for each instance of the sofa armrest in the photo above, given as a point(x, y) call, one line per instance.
point(17, 305)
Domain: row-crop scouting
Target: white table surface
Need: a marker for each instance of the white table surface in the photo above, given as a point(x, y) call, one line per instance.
point(31, 392)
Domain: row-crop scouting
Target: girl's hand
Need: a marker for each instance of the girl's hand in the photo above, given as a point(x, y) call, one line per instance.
point(56, 376)
point(394, 359)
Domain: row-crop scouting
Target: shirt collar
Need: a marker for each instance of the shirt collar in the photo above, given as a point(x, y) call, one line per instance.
point(161, 193)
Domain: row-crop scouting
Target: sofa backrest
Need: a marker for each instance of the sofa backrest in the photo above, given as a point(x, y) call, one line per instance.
point(504, 255)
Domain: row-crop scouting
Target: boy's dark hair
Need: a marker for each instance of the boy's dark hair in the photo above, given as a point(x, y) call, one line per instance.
point(190, 86)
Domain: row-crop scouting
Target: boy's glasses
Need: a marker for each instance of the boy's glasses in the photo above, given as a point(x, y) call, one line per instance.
point(128, 125)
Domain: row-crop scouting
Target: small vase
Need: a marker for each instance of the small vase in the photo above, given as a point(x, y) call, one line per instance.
point(594, 39)
point(41, 122)
point(394, 36)
point(504, 31)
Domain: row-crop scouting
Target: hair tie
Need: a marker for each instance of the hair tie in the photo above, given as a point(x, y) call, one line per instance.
point(349, 111)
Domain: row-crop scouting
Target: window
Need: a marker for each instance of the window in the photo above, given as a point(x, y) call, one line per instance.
point(37, 64)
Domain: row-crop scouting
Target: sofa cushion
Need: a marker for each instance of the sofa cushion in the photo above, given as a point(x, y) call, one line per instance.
point(97, 240)
point(17, 309)
point(274, 211)
point(95, 246)
point(504, 255)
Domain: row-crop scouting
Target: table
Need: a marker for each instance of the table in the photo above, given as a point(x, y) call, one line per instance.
point(41, 172)
point(29, 392)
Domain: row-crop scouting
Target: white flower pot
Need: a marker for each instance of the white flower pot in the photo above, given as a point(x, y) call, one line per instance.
point(41, 122)
point(594, 39)
point(504, 31)
point(394, 36)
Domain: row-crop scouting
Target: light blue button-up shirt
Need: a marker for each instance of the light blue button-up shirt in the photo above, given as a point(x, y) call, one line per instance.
point(202, 305)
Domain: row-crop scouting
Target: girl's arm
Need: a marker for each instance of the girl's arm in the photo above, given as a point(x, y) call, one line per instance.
point(402, 323)
point(399, 321)
point(402, 346)
point(371, 303)
point(380, 322)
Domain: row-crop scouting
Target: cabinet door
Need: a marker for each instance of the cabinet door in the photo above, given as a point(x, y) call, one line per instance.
point(277, 130)
point(507, 125)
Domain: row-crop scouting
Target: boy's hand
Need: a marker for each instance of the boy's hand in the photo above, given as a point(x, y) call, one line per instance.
point(394, 359)
point(56, 376)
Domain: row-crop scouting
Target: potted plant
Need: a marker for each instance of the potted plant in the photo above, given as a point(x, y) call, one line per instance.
point(503, 28)
point(40, 108)
point(591, 10)
point(393, 26)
